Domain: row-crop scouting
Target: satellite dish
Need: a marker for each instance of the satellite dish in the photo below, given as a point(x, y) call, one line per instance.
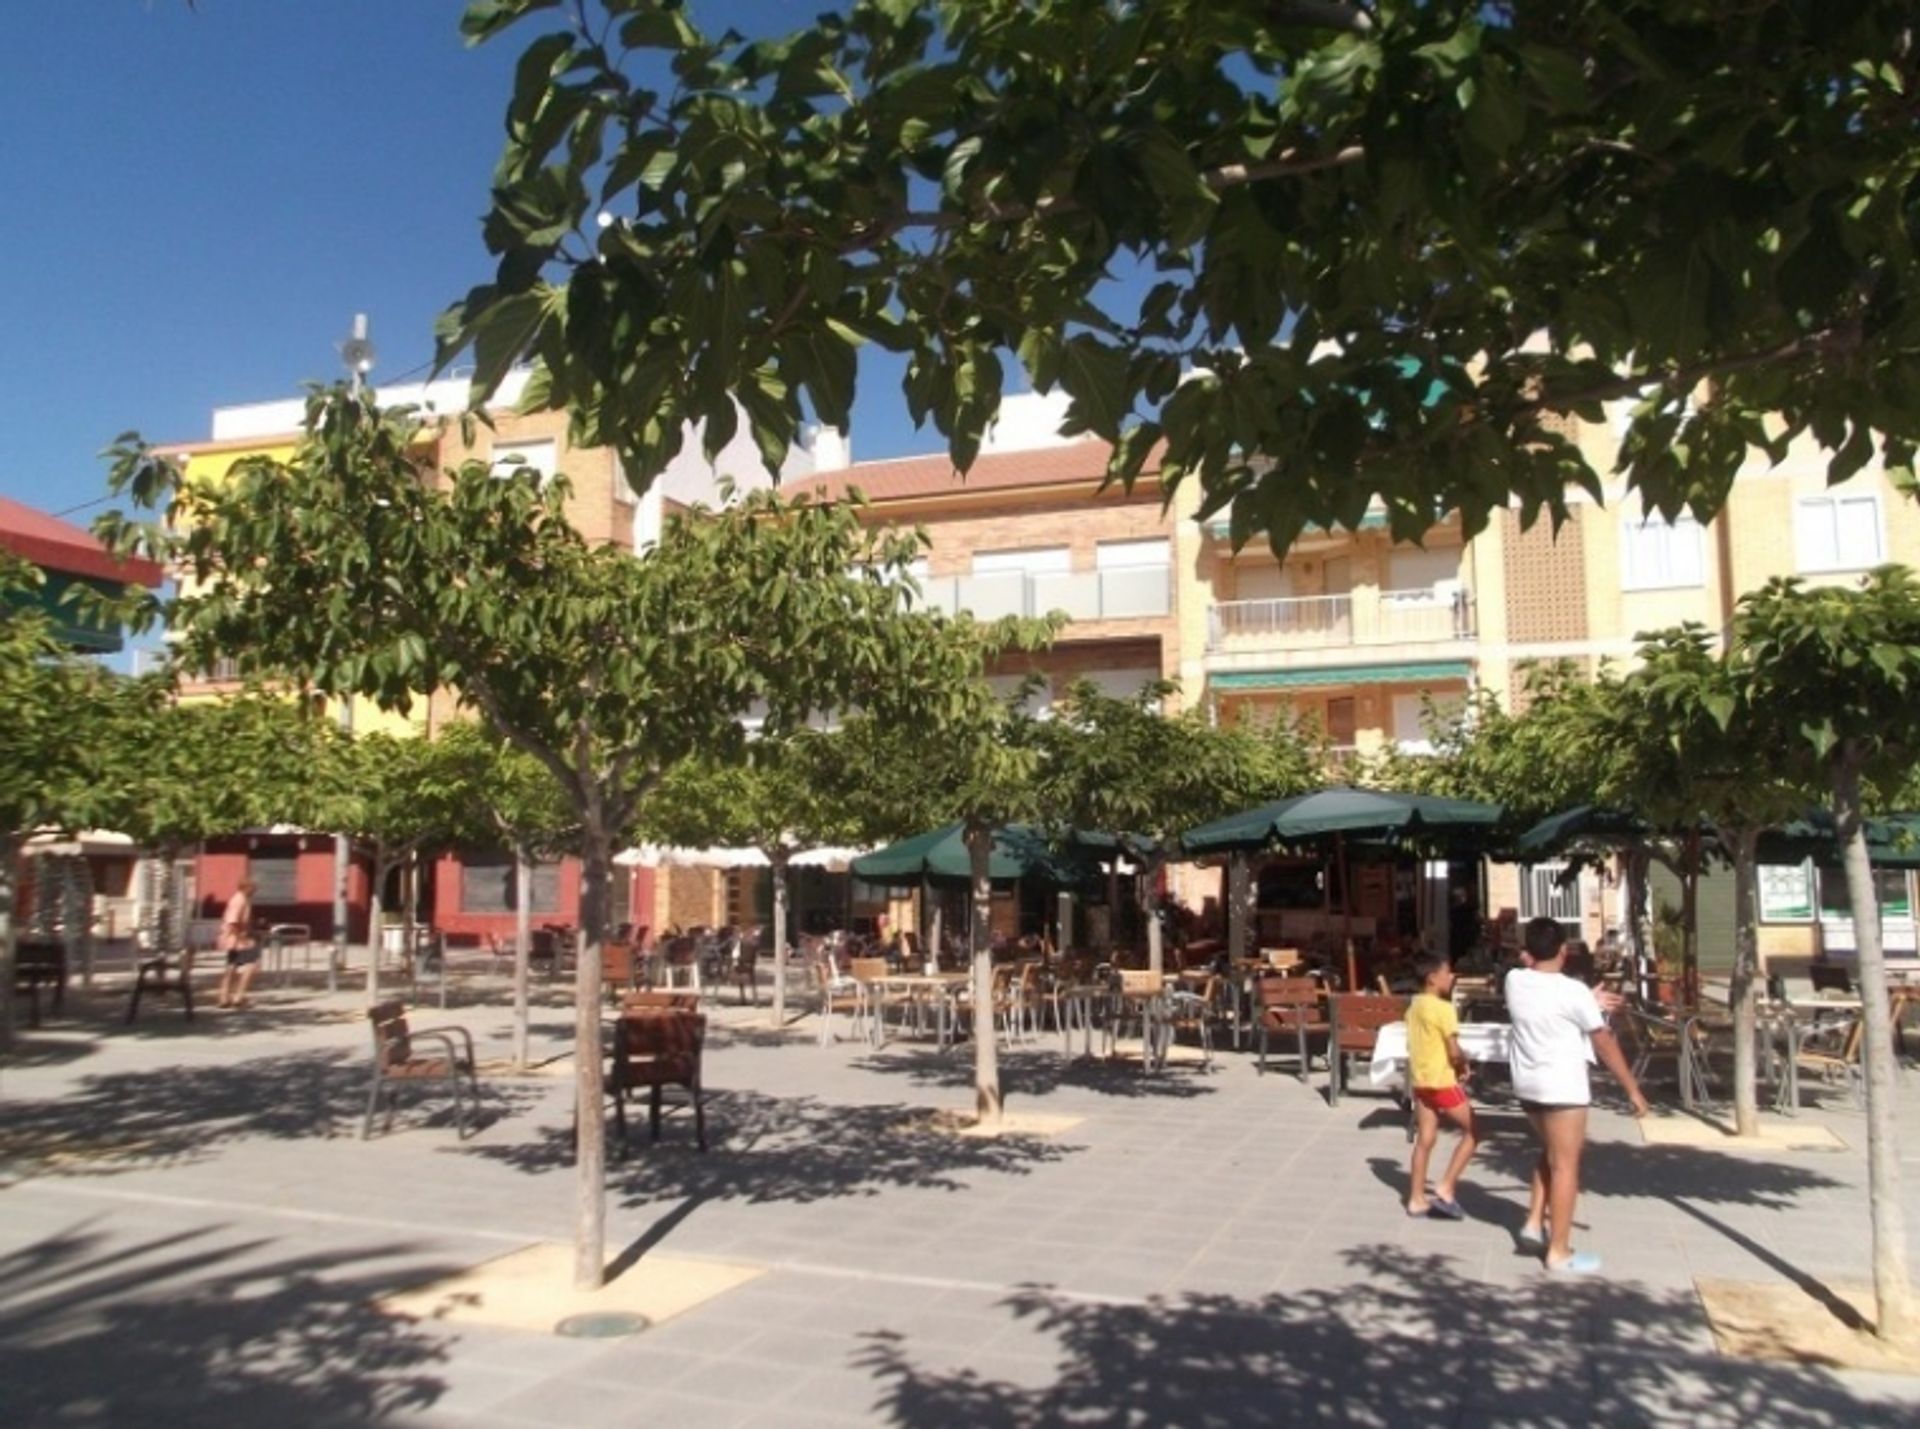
point(357, 351)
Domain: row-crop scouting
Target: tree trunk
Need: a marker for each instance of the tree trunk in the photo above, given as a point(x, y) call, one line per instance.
point(778, 860)
point(986, 1047)
point(1690, 922)
point(522, 949)
point(1898, 1318)
point(376, 923)
point(1150, 900)
point(1746, 965)
point(9, 938)
point(590, 1112)
point(1113, 907)
point(1639, 935)
point(939, 932)
point(409, 890)
point(342, 878)
point(1237, 908)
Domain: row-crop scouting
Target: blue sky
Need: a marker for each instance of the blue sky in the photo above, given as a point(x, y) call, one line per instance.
point(198, 201)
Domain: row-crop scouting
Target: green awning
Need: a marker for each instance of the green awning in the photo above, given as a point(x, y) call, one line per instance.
point(1402, 672)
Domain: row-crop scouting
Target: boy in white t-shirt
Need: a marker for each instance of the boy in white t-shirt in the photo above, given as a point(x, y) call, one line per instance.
point(1556, 1019)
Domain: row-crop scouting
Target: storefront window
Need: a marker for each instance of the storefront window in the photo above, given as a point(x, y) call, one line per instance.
point(1896, 898)
point(1786, 893)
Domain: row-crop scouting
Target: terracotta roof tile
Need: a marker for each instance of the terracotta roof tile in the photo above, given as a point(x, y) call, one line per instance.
point(58, 545)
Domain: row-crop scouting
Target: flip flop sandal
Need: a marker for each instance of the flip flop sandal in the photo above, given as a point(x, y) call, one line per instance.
point(1534, 1243)
point(1442, 1209)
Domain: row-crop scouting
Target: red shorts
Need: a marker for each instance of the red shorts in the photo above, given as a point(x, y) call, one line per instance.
point(1441, 1098)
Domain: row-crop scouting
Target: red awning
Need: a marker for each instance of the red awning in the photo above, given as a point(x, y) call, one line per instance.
point(56, 545)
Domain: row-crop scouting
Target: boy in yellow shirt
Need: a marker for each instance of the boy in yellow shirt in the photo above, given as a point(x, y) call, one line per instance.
point(1435, 1067)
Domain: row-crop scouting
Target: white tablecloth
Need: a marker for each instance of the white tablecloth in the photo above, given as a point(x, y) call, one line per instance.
point(1481, 1041)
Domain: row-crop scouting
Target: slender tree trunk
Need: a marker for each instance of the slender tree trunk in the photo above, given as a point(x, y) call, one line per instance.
point(1639, 926)
point(1690, 921)
point(1156, 941)
point(1746, 966)
point(939, 932)
point(522, 948)
point(986, 1047)
point(376, 923)
point(777, 859)
point(408, 875)
point(590, 1112)
point(1898, 1317)
point(9, 938)
point(1237, 908)
point(1113, 907)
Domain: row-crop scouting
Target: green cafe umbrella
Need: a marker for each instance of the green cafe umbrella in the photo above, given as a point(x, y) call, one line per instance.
point(1341, 813)
point(1893, 841)
point(1020, 851)
point(1584, 823)
point(1337, 815)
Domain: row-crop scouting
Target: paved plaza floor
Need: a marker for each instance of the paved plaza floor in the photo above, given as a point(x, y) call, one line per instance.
point(192, 1231)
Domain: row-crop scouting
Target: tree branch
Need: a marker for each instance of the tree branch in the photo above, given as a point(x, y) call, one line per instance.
point(1321, 15)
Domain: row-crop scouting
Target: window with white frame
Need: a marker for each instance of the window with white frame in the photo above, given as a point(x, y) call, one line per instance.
point(514, 458)
point(1131, 555)
point(1838, 533)
point(1656, 554)
point(1034, 560)
point(1786, 893)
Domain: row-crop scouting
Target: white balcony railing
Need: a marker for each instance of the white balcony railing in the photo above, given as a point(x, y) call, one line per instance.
point(1424, 616)
point(1132, 593)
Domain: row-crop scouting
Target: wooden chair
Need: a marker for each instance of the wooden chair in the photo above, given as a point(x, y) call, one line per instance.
point(617, 969)
point(40, 962)
point(659, 1000)
point(1291, 1007)
point(397, 1060)
point(654, 1049)
point(162, 976)
point(1354, 1021)
point(743, 967)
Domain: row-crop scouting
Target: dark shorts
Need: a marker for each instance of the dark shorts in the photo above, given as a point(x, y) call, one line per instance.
point(1528, 1106)
point(1441, 1098)
point(242, 957)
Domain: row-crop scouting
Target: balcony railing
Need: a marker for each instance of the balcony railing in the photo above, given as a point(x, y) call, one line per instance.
point(1413, 617)
point(1132, 593)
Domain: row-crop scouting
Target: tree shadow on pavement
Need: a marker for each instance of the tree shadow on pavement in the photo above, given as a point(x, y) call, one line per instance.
point(1037, 1074)
point(798, 1149)
point(175, 1115)
point(1409, 1340)
point(185, 1330)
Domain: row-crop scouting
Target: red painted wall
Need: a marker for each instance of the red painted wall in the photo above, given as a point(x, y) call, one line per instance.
point(223, 863)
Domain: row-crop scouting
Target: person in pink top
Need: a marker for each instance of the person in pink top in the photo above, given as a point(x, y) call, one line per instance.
point(240, 946)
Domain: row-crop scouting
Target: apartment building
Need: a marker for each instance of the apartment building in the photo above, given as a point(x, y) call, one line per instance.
point(468, 895)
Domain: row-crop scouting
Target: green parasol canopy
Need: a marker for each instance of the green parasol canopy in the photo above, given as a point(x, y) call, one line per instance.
point(1341, 812)
point(1893, 841)
point(1020, 851)
point(1584, 823)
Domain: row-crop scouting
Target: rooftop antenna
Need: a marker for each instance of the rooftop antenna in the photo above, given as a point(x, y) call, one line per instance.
point(357, 352)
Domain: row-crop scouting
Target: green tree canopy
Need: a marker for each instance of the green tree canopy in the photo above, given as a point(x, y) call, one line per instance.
point(1389, 243)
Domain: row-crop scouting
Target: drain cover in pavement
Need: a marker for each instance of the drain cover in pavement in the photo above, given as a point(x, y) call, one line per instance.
point(602, 1325)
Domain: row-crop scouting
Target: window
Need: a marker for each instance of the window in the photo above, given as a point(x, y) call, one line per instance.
point(1416, 574)
point(1410, 726)
point(276, 879)
point(1659, 555)
point(510, 458)
point(1896, 902)
point(486, 885)
point(1342, 729)
point(1130, 555)
point(1786, 893)
point(1035, 560)
point(1837, 533)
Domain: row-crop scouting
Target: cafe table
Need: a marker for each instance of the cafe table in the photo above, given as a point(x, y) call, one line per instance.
point(942, 989)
